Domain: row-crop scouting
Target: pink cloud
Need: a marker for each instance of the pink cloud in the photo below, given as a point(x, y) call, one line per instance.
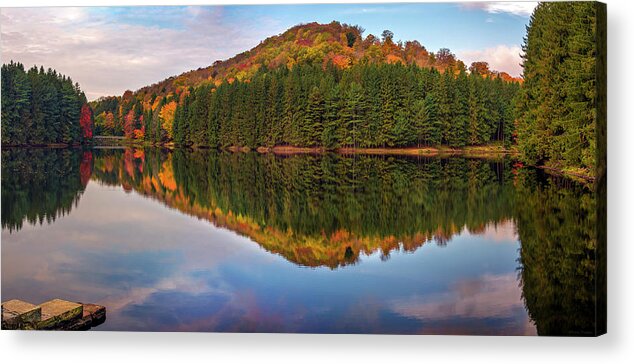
point(500, 58)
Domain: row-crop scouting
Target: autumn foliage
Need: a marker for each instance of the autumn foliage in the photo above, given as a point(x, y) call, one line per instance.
point(85, 120)
point(152, 112)
point(167, 117)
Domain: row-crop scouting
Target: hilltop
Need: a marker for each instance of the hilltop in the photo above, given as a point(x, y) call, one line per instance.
point(342, 45)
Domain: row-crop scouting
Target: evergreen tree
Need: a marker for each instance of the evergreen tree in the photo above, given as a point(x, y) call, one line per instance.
point(364, 106)
point(313, 124)
point(332, 134)
point(352, 115)
point(557, 103)
point(39, 107)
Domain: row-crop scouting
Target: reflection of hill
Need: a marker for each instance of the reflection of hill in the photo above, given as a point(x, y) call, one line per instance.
point(320, 210)
point(41, 184)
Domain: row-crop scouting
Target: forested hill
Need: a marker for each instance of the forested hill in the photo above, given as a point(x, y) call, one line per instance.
point(371, 92)
point(313, 44)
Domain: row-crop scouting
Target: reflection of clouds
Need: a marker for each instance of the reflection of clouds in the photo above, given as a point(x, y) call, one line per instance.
point(181, 283)
point(155, 268)
point(486, 296)
point(96, 255)
point(489, 297)
point(240, 312)
point(501, 232)
point(169, 304)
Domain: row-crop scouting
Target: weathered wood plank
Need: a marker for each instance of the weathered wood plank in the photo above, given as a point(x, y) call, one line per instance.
point(19, 314)
point(55, 314)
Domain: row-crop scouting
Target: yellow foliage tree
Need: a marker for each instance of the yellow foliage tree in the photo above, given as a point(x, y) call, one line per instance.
point(167, 117)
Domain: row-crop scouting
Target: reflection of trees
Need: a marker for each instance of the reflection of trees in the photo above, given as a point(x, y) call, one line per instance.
point(556, 222)
point(41, 184)
point(321, 210)
point(326, 210)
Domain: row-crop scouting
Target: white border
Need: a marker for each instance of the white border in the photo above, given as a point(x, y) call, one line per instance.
point(615, 347)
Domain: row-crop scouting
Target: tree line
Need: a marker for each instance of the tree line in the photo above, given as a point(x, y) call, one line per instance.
point(365, 106)
point(557, 106)
point(42, 107)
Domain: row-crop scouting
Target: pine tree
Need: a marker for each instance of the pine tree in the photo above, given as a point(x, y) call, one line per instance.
point(432, 133)
point(353, 114)
point(556, 106)
point(313, 121)
point(332, 134)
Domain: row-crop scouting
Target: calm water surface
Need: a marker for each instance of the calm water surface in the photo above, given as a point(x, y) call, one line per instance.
point(209, 241)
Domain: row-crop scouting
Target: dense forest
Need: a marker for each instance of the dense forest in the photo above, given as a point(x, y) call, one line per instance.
point(364, 106)
point(42, 107)
point(561, 111)
point(322, 85)
point(328, 86)
point(558, 103)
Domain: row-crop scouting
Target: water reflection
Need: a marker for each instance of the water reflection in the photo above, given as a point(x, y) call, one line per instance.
point(320, 210)
point(369, 229)
point(40, 185)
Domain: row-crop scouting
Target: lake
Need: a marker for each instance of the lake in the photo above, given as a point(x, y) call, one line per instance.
point(244, 242)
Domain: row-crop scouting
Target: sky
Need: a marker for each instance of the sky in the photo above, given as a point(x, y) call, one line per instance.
point(108, 50)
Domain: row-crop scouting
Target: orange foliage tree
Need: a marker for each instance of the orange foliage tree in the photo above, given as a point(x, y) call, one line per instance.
point(480, 68)
point(128, 124)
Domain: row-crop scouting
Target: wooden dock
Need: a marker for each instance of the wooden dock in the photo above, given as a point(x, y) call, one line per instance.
point(55, 314)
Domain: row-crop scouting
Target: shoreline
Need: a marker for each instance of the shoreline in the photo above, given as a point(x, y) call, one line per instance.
point(477, 151)
point(51, 145)
point(480, 150)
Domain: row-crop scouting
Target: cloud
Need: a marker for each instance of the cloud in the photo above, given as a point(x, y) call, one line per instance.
point(500, 58)
point(354, 10)
point(520, 8)
point(109, 50)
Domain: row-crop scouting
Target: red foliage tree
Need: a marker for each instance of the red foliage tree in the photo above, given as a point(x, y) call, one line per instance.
point(86, 121)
